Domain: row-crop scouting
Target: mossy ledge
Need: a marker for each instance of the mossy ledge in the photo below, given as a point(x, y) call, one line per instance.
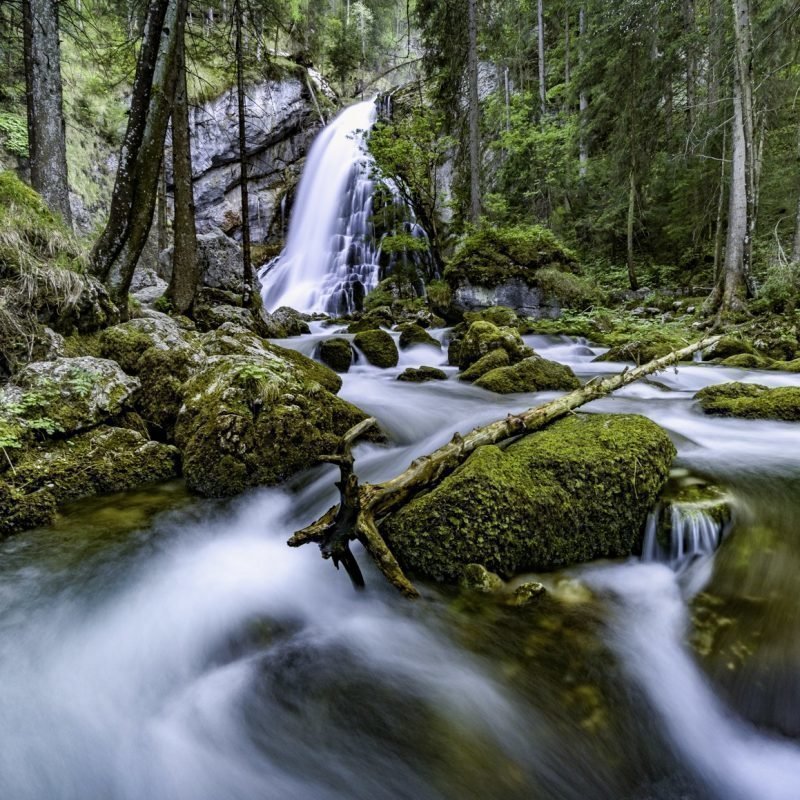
point(751, 401)
point(576, 491)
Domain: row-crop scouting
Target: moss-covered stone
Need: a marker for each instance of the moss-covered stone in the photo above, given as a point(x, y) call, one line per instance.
point(126, 343)
point(379, 317)
point(748, 361)
point(577, 491)
point(730, 345)
point(483, 337)
point(645, 345)
point(422, 374)
point(105, 459)
point(751, 400)
point(295, 323)
point(502, 316)
point(494, 359)
point(336, 353)
point(533, 374)
point(255, 420)
point(311, 370)
point(412, 334)
point(378, 347)
point(476, 578)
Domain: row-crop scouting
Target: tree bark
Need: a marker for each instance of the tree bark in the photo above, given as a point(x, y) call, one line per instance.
point(474, 114)
point(796, 241)
point(183, 283)
point(362, 508)
point(540, 41)
point(117, 251)
point(583, 145)
point(47, 142)
point(247, 270)
point(634, 283)
point(690, 30)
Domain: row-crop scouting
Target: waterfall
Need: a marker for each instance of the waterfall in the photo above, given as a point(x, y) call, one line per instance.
point(330, 260)
point(693, 531)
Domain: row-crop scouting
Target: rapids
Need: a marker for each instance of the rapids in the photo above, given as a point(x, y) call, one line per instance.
point(159, 647)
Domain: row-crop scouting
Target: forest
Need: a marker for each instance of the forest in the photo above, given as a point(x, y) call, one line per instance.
point(496, 303)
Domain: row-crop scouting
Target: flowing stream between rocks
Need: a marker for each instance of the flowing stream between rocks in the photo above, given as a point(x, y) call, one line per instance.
point(155, 646)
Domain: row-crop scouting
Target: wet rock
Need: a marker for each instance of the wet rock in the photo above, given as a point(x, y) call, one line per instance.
point(730, 345)
point(412, 334)
point(477, 578)
point(579, 490)
point(533, 374)
point(336, 353)
point(422, 374)
point(747, 361)
point(526, 594)
point(127, 342)
point(295, 323)
point(378, 347)
point(644, 346)
point(751, 400)
point(494, 359)
point(483, 337)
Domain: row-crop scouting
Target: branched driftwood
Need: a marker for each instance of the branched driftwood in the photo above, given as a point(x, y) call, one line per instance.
point(361, 508)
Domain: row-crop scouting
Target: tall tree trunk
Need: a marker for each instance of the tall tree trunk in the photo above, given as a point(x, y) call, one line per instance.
point(474, 115)
point(161, 220)
point(634, 283)
point(46, 131)
point(720, 210)
point(691, 63)
point(183, 283)
point(247, 270)
point(540, 38)
point(133, 200)
point(583, 145)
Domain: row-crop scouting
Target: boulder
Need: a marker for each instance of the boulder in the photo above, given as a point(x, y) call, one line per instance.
point(747, 361)
point(293, 322)
point(255, 421)
point(126, 343)
point(378, 348)
point(750, 400)
point(483, 337)
point(579, 490)
point(494, 359)
point(422, 374)
point(412, 334)
point(104, 459)
point(336, 353)
point(730, 345)
point(533, 374)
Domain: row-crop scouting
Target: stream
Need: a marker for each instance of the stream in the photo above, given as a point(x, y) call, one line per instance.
point(161, 647)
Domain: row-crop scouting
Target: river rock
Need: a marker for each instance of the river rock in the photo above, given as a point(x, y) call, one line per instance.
point(533, 374)
point(750, 400)
point(483, 337)
point(412, 334)
point(579, 490)
point(422, 374)
point(295, 323)
point(378, 348)
point(494, 359)
point(255, 421)
point(336, 353)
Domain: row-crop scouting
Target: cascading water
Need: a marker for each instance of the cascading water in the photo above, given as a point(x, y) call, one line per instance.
point(693, 531)
point(330, 260)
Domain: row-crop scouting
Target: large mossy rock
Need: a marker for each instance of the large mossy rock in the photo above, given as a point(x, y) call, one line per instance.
point(336, 353)
point(481, 338)
point(751, 401)
point(378, 348)
point(576, 491)
point(104, 459)
point(412, 334)
point(644, 346)
point(533, 374)
point(422, 375)
point(494, 359)
point(250, 420)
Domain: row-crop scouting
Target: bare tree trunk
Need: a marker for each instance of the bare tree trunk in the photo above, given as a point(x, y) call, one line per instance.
point(183, 283)
point(474, 115)
point(796, 242)
point(247, 270)
point(133, 200)
point(162, 211)
point(540, 38)
point(691, 63)
point(634, 283)
point(720, 210)
point(46, 131)
point(583, 145)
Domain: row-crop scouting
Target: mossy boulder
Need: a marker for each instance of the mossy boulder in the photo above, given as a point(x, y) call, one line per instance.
point(730, 345)
point(751, 401)
point(497, 315)
point(380, 317)
point(494, 359)
point(644, 345)
point(126, 343)
point(412, 334)
point(255, 420)
point(533, 374)
point(104, 459)
point(66, 395)
point(378, 348)
point(294, 323)
point(398, 286)
point(483, 337)
point(747, 361)
point(422, 374)
point(336, 353)
point(577, 491)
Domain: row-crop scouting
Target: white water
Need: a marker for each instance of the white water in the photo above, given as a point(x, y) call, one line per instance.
point(329, 256)
point(205, 660)
point(693, 532)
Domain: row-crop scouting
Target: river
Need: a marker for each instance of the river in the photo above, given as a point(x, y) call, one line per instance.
point(159, 647)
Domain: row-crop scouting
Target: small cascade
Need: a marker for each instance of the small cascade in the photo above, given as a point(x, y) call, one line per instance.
point(330, 260)
point(693, 529)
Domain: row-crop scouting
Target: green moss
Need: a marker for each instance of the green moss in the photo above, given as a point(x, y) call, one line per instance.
point(571, 291)
point(422, 374)
point(751, 401)
point(412, 334)
point(125, 344)
point(493, 255)
point(483, 337)
point(747, 361)
point(644, 345)
point(336, 353)
point(534, 374)
point(378, 348)
point(497, 315)
point(579, 490)
point(494, 359)
point(312, 370)
point(731, 345)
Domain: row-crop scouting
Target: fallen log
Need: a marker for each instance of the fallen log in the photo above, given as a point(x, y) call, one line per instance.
point(362, 507)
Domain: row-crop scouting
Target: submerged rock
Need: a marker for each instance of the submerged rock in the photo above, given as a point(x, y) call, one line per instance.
point(576, 491)
point(378, 347)
point(336, 353)
point(256, 420)
point(422, 374)
point(751, 400)
point(533, 374)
